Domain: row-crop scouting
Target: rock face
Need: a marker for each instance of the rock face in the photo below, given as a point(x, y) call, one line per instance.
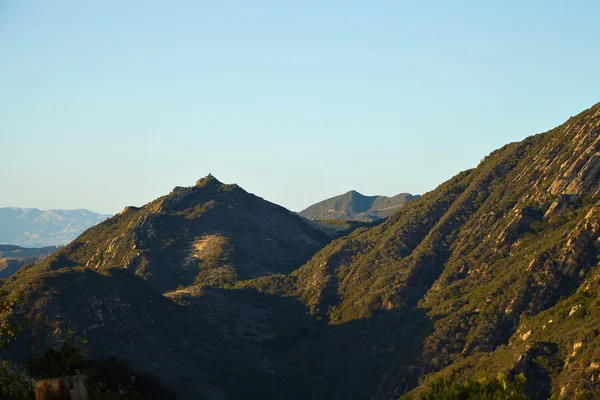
point(353, 206)
point(30, 227)
point(496, 270)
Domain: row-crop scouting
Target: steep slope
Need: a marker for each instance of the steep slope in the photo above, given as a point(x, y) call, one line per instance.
point(14, 257)
point(208, 234)
point(354, 206)
point(30, 227)
point(490, 265)
point(512, 241)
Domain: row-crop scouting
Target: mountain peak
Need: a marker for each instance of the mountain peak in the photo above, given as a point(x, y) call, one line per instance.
point(354, 205)
point(210, 234)
point(208, 179)
point(354, 193)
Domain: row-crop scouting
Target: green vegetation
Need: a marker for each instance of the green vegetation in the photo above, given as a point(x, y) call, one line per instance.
point(209, 234)
point(107, 378)
point(500, 388)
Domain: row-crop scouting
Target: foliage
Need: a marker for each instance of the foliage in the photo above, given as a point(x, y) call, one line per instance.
point(500, 388)
point(14, 382)
point(107, 378)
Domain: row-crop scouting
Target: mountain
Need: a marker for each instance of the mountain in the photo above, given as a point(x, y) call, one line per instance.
point(208, 234)
point(30, 227)
point(353, 206)
point(496, 270)
point(14, 257)
point(107, 286)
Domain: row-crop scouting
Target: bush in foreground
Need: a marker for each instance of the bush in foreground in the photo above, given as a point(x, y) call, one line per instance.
point(500, 388)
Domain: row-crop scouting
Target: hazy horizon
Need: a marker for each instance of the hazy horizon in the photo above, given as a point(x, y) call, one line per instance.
point(111, 104)
point(191, 184)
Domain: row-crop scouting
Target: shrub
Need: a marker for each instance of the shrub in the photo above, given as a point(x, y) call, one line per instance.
point(500, 388)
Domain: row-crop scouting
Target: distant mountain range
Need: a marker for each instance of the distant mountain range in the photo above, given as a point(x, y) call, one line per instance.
point(31, 227)
point(353, 206)
point(14, 257)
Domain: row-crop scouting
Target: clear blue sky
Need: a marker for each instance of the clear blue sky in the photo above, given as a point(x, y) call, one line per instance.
point(105, 104)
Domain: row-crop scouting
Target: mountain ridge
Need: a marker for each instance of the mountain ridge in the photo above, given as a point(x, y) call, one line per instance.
point(33, 227)
point(14, 257)
point(355, 206)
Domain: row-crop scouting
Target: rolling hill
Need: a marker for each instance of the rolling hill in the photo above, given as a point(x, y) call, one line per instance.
point(353, 206)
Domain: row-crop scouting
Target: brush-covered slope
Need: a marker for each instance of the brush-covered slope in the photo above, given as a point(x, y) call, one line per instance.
point(501, 262)
point(353, 206)
point(107, 287)
point(208, 234)
point(14, 257)
point(221, 346)
point(31, 227)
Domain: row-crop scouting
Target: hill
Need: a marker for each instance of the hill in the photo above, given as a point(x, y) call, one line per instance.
point(31, 227)
point(353, 206)
point(106, 287)
point(498, 267)
point(496, 270)
point(208, 234)
point(14, 257)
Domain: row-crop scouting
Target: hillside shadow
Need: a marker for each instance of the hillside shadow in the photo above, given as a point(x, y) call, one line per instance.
point(375, 358)
point(537, 364)
point(238, 343)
